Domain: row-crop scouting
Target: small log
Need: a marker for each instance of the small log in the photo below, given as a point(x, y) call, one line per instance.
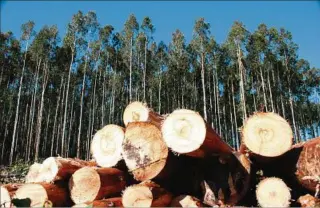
point(308, 165)
point(273, 192)
point(33, 174)
point(146, 194)
point(186, 201)
point(111, 202)
point(89, 184)
point(309, 201)
point(44, 193)
point(226, 179)
point(144, 150)
point(267, 135)
point(137, 111)
point(185, 132)
point(57, 168)
point(106, 145)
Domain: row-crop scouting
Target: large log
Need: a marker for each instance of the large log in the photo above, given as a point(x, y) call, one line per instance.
point(55, 169)
point(185, 132)
point(186, 201)
point(144, 151)
point(41, 194)
point(106, 145)
point(273, 192)
point(308, 165)
point(137, 111)
point(7, 193)
point(266, 135)
point(88, 184)
point(111, 202)
point(226, 179)
point(146, 194)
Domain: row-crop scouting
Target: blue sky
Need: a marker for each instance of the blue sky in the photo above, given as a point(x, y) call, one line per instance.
point(302, 18)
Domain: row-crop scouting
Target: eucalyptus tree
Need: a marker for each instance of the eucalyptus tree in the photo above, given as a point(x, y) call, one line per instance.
point(162, 58)
point(27, 33)
point(131, 28)
point(201, 31)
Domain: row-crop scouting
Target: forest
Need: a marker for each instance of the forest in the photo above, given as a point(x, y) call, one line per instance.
point(58, 89)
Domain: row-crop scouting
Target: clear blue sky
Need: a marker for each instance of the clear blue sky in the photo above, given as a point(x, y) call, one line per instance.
point(301, 18)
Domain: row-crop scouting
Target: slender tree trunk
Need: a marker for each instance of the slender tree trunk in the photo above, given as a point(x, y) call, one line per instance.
point(131, 51)
point(235, 116)
point(242, 92)
point(218, 102)
point(270, 92)
point(159, 92)
point(46, 134)
point(203, 88)
point(66, 101)
point(70, 125)
point(263, 89)
point(18, 106)
point(145, 70)
point(39, 121)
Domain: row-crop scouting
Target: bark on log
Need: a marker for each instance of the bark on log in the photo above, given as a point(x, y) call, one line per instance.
point(273, 192)
point(186, 201)
point(309, 201)
point(7, 193)
point(144, 151)
point(185, 132)
point(308, 165)
point(106, 145)
point(88, 184)
point(43, 193)
point(226, 179)
point(267, 135)
point(33, 174)
point(137, 111)
point(55, 169)
point(146, 194)
point(111, 202)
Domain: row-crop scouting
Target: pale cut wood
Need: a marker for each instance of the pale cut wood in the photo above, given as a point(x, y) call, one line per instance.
point(88, 184)
point(185, 132)
point(144, 150)
point(309, 201)
point(111, 202)
point(267, 134)
point(33, 174)
point(138, 111)
point(5, 198)
point(308, 165)
point(273, 192)
point(146, 194)
point(186, 201)
point(56, 168)
point(42, 193)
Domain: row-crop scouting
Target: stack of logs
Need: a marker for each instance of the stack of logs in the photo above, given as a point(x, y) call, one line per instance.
point(178, 160)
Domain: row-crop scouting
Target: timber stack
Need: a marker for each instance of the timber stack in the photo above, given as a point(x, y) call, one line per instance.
point(178, 160)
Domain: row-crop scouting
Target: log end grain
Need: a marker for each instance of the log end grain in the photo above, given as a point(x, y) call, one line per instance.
point(267, 134)
point(186, 201)
point(184, 131)
point(35, 192)
point(137, 196)
point(273, 192)
point(135, 111)
point(5, 199)
point(33, 174)
point(106, 145)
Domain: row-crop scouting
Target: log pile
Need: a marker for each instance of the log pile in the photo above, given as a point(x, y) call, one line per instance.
point(178, 160)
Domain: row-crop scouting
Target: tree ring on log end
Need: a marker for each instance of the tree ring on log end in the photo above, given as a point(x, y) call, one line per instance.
point(106, 145)
point(273, 192)
point(267, 134)
point(35, 192)
point(135, 111)
point(184, 131)
point(84, 185)
point(137, 196)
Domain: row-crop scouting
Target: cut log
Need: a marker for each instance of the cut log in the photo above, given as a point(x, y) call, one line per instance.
point(88, 184)
point(267, 134)
point(33, 174)
point(144, 150)
point(6, 193)
point(41, 194)
point(185, 132)
point(309, 201)
point(146, 194)
point(308, 165)
point(57, 168)
point(106, 145)
point(186, 201)
point(111, 202)
point(226, 179)
point(137, 111)
point(273, 192)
